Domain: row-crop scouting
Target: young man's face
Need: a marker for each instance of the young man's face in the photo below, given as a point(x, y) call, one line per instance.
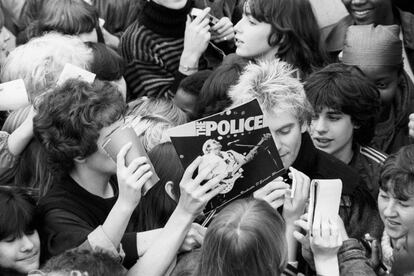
point(367, 12)
point(20, 254)
point(332, 131)
point(397, 215)
point(385, 79)
point(287, 134)
point(252, 38)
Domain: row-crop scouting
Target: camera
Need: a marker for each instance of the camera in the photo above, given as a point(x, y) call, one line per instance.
point(195, 12)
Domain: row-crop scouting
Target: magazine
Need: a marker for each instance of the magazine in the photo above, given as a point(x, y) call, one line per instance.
point(242, 145)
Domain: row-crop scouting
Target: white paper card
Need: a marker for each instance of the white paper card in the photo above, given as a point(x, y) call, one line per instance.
point(73, 72)
point(325, 197)
point(13, 95)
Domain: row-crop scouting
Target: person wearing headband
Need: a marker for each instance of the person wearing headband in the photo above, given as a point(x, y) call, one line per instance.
point(377, 51)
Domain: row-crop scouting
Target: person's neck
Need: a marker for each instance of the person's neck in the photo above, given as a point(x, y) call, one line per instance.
point(94, 182)
point(346, 154)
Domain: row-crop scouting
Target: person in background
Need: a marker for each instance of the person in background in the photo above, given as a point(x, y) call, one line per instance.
point(81, 262)
point(19, 239)
point(396, 207)
point(281, 29)
point(377, 12)
point(189, 91)
point(164, 45)
point(72, 17)
point(377, 51)
point(213, 96)
point(346, 106)
point(108, 65)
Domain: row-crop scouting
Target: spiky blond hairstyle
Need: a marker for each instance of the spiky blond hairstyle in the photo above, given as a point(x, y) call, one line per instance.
point(274, 85)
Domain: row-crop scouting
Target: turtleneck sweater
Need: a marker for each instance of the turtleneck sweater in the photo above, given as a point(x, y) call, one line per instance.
point(152, 48)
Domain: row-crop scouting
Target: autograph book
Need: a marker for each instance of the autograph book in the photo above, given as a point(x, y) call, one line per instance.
point(239, 141)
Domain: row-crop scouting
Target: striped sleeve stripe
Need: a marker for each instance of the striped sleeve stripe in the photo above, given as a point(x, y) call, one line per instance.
point(374, 154)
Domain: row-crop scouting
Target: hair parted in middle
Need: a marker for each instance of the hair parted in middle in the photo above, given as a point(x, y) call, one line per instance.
point(246, 238)
point(273, 84)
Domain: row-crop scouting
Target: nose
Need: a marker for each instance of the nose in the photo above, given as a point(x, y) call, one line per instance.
point(278, 143)
point(237, 27)
point(389, 210)
point(319, 125)
point(26, 244)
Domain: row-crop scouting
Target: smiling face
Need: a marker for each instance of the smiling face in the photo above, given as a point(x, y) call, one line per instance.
point(332, 131)
point(252, 37)
point(367, 12)
point(287, 134)
point(20, 254)
point(396, 214)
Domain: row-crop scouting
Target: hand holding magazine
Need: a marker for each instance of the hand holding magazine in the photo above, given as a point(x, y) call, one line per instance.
point(241, 145)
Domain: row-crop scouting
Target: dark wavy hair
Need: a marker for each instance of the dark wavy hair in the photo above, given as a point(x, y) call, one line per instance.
point(156, 207)
point(70, 118)
point(213, 97)
point(107, 64)
point(346, 89)
point(71, 17)
point(397, 173)
point(294, 30)
point(17, 216)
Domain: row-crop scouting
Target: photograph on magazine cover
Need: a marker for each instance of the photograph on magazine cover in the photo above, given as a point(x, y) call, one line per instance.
point(242, 145)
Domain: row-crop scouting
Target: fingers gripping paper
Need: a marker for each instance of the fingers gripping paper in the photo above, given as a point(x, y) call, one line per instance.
point(325, 197)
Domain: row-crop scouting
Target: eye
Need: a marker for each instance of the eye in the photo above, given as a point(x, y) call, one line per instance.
point(285, 130)
point(10, 239)
point(29, 232)
point(404, 203)
point(334, 118)
point(381, 85)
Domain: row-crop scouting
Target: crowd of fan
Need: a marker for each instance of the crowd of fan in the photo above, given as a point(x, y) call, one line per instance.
point(338, 100)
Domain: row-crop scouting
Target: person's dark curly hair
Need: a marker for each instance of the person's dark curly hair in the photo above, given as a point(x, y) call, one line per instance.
point(87, 262)
point(70, 118)
point(346, 89)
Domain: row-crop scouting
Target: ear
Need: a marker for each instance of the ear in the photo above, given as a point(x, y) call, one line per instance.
point(169, 186)
point(79, 160)
point(304, 127)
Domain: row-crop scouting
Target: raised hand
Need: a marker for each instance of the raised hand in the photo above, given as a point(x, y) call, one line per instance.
point(131, 178)
point(223, 30)
point(294, 206)
point(273, 192)
point(194, 196)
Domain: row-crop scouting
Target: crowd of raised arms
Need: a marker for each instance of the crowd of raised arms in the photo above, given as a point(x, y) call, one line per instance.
point(338, 99)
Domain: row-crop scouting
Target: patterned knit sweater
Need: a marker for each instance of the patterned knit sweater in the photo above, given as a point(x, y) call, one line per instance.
point(152, 48)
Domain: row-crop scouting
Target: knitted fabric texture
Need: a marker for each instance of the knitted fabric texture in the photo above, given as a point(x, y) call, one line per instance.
point(372, 46)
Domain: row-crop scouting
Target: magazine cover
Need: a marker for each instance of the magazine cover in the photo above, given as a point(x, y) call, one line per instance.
point(241, 144)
